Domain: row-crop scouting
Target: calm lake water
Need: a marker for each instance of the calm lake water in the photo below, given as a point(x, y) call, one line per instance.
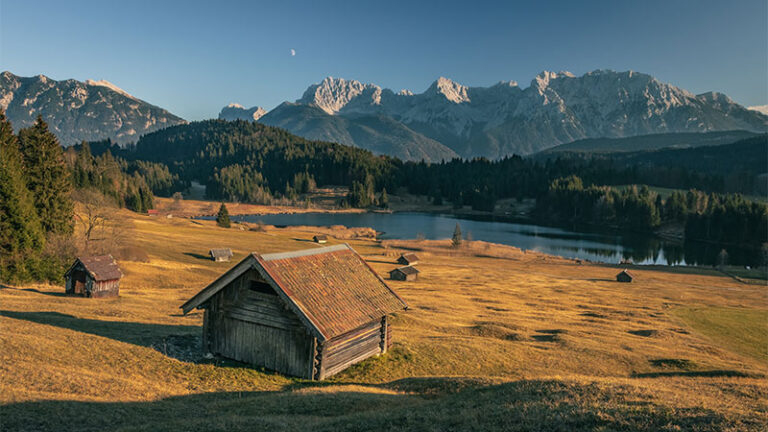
point(595, 246)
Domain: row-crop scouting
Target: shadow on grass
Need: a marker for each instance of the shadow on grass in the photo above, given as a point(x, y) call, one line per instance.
point(177, 341)
point(37, 291)
point(709, 373)
point(198, 256)
point(416, 404)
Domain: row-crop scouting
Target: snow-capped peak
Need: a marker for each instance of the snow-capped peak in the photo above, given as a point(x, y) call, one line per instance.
point(332, 94)
point(452, 91)
point(109, 85)
point(763, 109)
point(543, 79)
point(235, 105)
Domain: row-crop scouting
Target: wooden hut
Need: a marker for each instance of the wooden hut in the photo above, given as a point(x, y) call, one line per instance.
point(309, 313)
point(408, 259)
point(93, 276)
point(624, 276)
point(320, 239)
point(406, 273)
point(220, 254)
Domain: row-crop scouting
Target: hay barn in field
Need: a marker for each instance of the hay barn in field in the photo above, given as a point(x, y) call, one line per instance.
point(624, 276)
point(408, 259)
point(320, 238)
point(220, 254)
point(310, 313)
point(93, 276)
point(406, 273)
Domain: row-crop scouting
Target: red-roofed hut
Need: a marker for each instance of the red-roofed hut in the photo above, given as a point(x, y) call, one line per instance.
point(310, 313)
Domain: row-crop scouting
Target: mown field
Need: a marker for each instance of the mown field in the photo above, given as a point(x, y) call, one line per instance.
point(495, 339)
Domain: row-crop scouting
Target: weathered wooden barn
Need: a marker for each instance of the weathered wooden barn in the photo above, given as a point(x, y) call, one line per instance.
point(310, 313)
point(220, 254)
point(408, 259)
point(406, 273)
point(624, 276)
point(320, 238)
point(94, 276)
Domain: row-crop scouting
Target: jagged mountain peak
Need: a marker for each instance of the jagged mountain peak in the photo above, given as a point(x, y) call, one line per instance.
point(332, 94)
point(450, 90)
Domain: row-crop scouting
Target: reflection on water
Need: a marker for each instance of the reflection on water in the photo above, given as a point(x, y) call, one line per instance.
point(606, 247)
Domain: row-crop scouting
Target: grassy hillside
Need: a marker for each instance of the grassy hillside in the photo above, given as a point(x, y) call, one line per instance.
point(496, 339)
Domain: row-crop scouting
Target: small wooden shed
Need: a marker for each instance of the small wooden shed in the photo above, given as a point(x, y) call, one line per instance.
point(309, 313)
point(408, 259)
point(406, 273)
point(220, 254)
point(93, 276)
point(320, 239)
point(624, 276)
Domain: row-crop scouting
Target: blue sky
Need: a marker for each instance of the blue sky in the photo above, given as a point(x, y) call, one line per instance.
point(193, 57)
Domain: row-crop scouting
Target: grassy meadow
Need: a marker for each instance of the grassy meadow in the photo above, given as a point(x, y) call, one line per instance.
point(495, 339)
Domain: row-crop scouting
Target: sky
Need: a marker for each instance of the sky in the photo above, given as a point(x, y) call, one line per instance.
point(194, 57)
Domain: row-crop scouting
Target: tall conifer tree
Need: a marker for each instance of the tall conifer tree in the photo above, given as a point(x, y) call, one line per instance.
point(20, 230)
point(48, 177)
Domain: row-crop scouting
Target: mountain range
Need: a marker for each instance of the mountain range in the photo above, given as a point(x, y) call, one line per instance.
point(446, 121)
point(77, 111)
point(449, 119)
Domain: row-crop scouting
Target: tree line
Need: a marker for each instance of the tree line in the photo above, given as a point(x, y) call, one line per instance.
point(720, 218)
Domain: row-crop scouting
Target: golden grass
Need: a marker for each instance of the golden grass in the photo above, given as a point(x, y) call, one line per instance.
point(495, 339)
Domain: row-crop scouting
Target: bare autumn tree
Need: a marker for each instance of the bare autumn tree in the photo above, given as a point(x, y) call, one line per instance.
point(103, 229)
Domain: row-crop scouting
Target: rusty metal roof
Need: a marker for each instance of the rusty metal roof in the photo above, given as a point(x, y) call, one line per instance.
point(332, 289)
point(100, 267)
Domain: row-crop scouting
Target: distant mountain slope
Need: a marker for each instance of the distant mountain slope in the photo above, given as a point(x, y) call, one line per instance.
point(377, 133)
point(77, 111)
point(651, 142)
point(503, 119)
point(746, 155)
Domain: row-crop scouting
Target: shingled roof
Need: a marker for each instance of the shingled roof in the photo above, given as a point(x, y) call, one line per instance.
point(220, 252)
point(100, 267)
point(332, 289)
point(408, 270)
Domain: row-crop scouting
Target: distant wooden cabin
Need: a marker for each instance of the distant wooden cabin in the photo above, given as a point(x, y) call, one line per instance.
point(153, 212)
point(320, 238)
point(310, 313)
point(408, 259)
point(94, 276)
point(624, 276)
point(406, 273)
point(220, 254)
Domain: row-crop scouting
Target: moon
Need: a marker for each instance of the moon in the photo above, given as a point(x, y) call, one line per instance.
point(293, 52)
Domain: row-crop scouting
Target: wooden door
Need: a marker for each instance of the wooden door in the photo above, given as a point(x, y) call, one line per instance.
point(78, 282)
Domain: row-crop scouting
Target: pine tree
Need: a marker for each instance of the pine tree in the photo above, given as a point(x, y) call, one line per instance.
point(222, 219)
point(456, 240)
point(47, 177)
point(21, 234)
point(383, 199)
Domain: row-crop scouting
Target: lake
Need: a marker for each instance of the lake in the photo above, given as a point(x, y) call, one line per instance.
point(595, 246)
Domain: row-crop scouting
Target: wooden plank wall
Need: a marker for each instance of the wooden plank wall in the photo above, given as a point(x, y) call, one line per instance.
point(343, 351)
point(105, 288)
point(257, 328)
